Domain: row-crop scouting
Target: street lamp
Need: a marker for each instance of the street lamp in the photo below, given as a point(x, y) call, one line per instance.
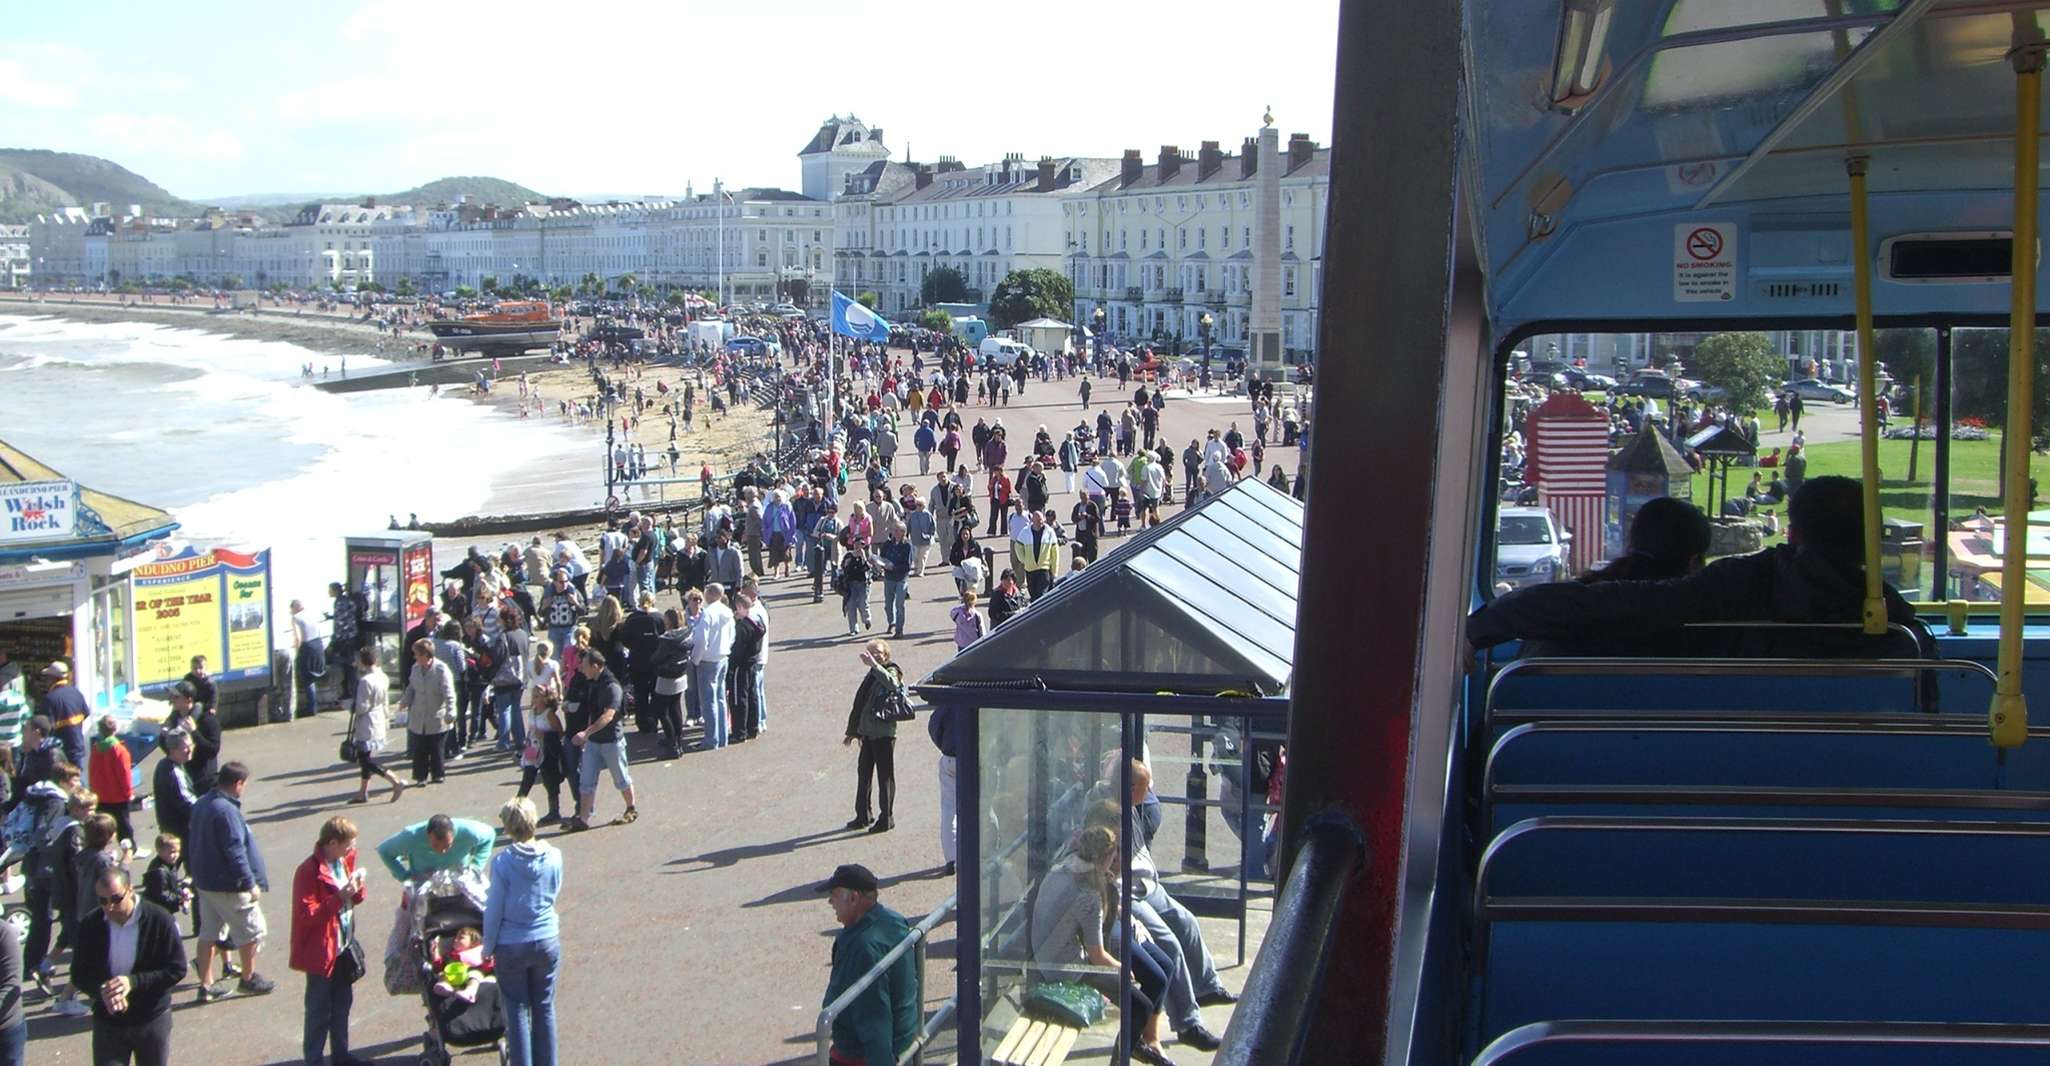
point(1203, 326)
point(1098, 318)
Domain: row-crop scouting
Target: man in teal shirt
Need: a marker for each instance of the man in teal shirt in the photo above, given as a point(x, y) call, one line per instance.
point(439, 843)
point(884, 1019)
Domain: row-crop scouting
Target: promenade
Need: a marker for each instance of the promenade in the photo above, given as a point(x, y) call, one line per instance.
point(697, 934)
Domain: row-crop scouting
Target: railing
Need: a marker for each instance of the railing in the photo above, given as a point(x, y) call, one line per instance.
point(1132, 295)
point(915, 941)
point(1280, 995)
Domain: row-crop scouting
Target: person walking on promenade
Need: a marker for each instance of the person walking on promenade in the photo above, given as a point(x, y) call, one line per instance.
point(543, 756)
point(369, 725)
point(113, 775)
point(13, 1024)
point(711, 643)
point(596, 738)
point(882, 1021)
point(416, 852)
point(521, 935)
point(228, 874)
point(878, 738)
point(896, 556)
point(856, 569)
point(429, 701)
point(940, 727)
point(672, 671)
point(743, 665)
point(67, 710)
point(128, 959)
point(326, 890)
point(922, 528)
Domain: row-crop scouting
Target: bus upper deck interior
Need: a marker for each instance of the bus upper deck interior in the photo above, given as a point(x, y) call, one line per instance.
point(1682, 860)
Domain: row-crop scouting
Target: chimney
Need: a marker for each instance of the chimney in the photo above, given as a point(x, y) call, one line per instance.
point(1046, 169)
point(876, 134)
point(921, 176)
point(1131, 167)
point(370, 201)
point(1209, 160)
point(1170, 161)
point(1249, 158)
point(1300, 149)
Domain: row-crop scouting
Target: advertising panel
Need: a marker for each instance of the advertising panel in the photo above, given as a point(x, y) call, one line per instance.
point(419, 582)
point(214, 603)
point(38, 510)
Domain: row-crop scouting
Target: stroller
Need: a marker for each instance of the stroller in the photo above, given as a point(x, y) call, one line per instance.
point(469, 1017)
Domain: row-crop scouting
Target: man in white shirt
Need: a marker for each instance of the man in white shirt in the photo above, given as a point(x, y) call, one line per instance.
point(711, 640)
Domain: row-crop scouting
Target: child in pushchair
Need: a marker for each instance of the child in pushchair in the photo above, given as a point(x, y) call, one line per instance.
point(463, 1009)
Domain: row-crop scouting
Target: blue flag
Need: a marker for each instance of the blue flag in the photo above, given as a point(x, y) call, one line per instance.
point(851, 319)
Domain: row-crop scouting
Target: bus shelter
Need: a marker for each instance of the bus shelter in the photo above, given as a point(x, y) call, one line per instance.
point(1171, 655)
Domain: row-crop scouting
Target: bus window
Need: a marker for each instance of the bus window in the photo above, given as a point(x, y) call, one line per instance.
point(1976, 531)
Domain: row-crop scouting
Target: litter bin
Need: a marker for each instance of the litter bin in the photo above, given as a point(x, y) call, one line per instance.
point(1900, 552)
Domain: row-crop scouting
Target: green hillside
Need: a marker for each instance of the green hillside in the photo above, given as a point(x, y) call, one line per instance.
point(34, 180)
point(478, 189)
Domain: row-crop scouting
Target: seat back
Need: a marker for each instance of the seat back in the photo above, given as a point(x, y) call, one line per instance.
point(1580, 1043)
point(1893, 862)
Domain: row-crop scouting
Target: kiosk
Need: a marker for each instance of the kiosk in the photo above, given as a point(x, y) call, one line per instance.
point(395, 573)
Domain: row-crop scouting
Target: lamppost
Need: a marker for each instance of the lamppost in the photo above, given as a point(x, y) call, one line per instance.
point(1203, 326)
point(1098, 318)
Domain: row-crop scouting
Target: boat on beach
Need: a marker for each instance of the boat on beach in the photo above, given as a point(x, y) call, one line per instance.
point(512, 326)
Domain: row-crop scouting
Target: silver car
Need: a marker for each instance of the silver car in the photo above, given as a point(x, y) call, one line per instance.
point(1530, 548)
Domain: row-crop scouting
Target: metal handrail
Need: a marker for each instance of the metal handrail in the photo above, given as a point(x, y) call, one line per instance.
point(914, 939)
point(1281, 994)
point(1612, 667)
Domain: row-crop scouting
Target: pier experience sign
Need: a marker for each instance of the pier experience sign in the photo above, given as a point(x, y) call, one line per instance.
point(214, 603)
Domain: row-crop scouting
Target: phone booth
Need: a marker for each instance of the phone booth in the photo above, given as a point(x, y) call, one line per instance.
point(395, 574)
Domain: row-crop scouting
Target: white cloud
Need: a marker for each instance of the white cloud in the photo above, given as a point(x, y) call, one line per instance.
point(19, 87)
point(132, 136)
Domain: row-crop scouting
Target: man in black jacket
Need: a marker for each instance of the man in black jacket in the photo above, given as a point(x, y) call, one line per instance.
point(1817, 576)
point(637, 637)
point(128, 959)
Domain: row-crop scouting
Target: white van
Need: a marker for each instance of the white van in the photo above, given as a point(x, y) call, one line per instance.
point(996, 351)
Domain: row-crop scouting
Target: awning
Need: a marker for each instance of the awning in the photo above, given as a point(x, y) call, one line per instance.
point(1203, 603)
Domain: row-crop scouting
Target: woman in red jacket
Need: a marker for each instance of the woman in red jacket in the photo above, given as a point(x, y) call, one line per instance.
point(113, 777)
point(325, 893)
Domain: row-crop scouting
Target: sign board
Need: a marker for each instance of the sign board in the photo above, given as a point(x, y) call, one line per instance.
point(27, 574)
point(1704, 262)
point(214, 603)
point(37, 511)
point(419, 582)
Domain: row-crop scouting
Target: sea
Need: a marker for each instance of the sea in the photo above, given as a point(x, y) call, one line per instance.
point(227, 435)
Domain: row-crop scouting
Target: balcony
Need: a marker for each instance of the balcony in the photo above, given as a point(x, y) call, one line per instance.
point(1173, 296)
point(1132, 295)
point(1238, 298)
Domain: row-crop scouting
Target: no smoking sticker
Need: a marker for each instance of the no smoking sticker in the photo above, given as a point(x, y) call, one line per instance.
point(1704, 262)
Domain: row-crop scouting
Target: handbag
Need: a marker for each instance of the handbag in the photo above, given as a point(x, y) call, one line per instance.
point(348, 751)
point(1069, 1003)
point(350, 965)
point(894, 706)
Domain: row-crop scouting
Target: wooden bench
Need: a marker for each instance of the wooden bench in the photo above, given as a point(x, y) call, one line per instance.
point(1031, 1042)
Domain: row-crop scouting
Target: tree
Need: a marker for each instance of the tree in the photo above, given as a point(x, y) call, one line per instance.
point(675, 299)
point(942, 285)
point(561, 293)
point(798, 291)
point(1024, 295)
point(937, 320)
point(489, 283)
point(868, 300)
point(628, 282)
point(1744, 365)
point(370, 286)
point(464, 292)
point(232, 281)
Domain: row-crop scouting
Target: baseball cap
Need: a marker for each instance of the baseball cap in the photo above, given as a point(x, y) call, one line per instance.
point(57, 669)
point(852, 876)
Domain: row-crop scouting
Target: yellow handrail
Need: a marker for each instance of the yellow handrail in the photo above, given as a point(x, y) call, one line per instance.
point(1868, 414)
point(2008, 718)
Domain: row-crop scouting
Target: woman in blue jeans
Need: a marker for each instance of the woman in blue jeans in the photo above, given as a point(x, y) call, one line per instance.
point(520, 935)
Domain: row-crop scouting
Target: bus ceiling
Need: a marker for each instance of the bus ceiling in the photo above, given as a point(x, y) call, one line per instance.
point(1691, 155)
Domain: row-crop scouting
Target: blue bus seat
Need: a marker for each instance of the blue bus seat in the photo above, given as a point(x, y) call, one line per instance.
point(1920, 768)
point(1773, 963)
point(1551, 689)
point(1694, 1043)
point(1767, 859)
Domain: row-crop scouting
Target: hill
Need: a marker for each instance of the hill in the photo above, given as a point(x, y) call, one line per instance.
point(34, 180)
point(478, 189)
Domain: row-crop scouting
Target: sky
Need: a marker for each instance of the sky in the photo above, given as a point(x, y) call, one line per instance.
point(640, 98)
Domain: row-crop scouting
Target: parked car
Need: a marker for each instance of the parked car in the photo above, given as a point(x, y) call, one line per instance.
point(1586, 382)
point(1530, 548)
point(1818, 389)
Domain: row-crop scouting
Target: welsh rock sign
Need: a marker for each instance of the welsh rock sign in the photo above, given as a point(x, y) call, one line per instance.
point(38, 510)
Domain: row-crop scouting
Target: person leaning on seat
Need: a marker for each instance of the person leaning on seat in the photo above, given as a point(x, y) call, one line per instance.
point(1817, 576)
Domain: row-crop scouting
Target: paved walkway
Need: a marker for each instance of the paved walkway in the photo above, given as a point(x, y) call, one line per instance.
point(696, 935)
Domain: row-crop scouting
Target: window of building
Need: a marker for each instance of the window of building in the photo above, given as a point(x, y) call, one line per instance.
point(1288, 239)
point(1202, 238)
point(1247, 233)
point(1288, 282)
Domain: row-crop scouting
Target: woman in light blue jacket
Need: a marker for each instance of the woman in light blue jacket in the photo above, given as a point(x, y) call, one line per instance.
point(520, 935)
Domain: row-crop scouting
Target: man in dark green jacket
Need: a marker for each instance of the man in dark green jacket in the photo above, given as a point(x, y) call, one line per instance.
point(883, 1020)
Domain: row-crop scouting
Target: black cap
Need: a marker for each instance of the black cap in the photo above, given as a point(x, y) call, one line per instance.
point(853, 876)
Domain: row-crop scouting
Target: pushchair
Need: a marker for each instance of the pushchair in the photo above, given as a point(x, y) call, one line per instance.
point(472, 1017)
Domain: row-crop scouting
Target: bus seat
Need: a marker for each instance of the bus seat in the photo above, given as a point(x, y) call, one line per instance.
point(1698, 1043)
point(1612, 962)
point(1763, 859)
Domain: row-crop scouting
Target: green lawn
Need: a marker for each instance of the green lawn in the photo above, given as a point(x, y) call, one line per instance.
point(1974, 475)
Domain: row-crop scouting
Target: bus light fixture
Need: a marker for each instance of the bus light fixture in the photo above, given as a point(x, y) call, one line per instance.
point(1577, 67)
